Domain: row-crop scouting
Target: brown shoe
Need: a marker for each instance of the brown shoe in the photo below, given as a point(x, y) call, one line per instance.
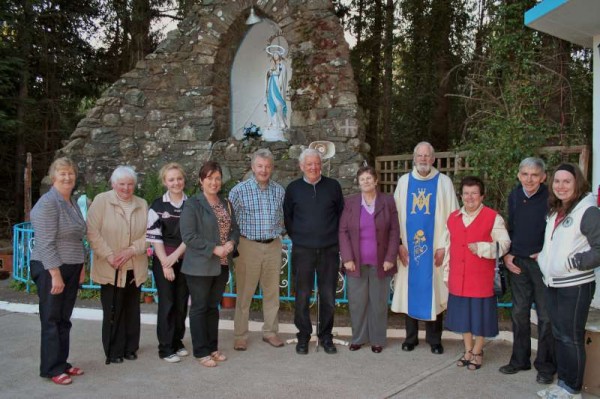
point(274, 341)
point(240, 345)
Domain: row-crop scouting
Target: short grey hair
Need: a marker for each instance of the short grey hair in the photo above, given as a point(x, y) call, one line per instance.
point(309, 152)
point(533, 162)
point(122, 172)
point(263, 153)
point(424, 143)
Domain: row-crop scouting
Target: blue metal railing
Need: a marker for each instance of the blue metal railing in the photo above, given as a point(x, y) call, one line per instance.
point(23, 241)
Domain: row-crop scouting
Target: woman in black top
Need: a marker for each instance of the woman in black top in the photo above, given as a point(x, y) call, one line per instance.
point(163, 233)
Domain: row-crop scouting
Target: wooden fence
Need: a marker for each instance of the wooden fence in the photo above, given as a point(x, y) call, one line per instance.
point(391, 167)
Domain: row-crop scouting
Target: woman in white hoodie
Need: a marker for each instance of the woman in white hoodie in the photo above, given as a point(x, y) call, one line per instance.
point(571, 253)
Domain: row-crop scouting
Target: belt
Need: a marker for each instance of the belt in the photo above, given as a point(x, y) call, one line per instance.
point(267, 241)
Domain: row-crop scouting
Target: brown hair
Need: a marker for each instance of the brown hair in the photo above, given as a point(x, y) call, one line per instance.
point(208, 168)
point(171, 165)
point(581, 188)
point(366, 169)
point(470, 181)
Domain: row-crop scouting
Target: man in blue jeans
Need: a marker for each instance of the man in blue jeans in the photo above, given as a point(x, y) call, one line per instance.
point(312, 208)
point(527, 210)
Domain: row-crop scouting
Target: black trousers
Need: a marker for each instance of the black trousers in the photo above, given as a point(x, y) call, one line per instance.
point(433, 330)
point(305, 262)
point(206, 293)
point(55, 316)
point(528, 288)
point(125, 337)
point(172, 308)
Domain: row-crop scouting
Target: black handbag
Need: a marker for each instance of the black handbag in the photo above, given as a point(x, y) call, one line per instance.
point(499, 274)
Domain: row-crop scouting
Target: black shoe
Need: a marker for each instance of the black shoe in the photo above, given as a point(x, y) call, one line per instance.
point(406, 347)
point(115, 360)
point(437, 349)
point(510, 369)
point(329, 347)
point(302, 348)
point(130, 356)
point(355, 347)
point(544, 379)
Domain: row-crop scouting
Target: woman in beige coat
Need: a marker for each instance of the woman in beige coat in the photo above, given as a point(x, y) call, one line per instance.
point(117, 234)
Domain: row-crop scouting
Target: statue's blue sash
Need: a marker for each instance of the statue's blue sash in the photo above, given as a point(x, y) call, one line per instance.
point(420, 228)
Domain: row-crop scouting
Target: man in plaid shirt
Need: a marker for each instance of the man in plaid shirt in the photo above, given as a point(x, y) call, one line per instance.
point(258, 209)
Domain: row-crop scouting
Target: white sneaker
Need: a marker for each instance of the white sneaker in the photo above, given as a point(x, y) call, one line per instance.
point(556, 392)
point(545, 392)
point(182, 352)
point(172, 358)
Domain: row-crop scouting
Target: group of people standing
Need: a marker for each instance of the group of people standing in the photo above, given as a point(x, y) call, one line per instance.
point(442, 257)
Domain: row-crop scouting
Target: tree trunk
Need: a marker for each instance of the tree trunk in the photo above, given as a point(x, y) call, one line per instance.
point(388, 47)
point(372, 134)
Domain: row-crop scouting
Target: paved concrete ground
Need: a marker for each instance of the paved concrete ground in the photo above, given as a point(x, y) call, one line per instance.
point(260, 372)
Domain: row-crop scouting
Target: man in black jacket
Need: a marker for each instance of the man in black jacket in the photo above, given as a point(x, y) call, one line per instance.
point(527, 210)
point(312, 208)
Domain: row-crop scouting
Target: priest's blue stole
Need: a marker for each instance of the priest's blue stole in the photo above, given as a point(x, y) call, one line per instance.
point(420, 225)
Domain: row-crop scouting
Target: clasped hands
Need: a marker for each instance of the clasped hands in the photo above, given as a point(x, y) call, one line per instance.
point(224, 250)
point(121, 257)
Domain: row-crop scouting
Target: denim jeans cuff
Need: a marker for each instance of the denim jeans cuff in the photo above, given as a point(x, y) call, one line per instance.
point(567, 388)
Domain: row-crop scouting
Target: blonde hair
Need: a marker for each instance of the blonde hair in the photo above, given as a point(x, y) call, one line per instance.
point(61, 163)
point(171, 165)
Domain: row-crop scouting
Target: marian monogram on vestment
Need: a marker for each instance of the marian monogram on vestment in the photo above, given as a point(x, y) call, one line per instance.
point(420, 201)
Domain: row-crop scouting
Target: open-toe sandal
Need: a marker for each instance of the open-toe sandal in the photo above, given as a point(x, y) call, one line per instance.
point(75, 371)
point(463, 361)
point(62, 379)
point(475, 366)
point(207, 361)
point(218, 356)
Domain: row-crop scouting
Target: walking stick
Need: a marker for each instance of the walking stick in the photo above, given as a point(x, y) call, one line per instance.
point(113, 309)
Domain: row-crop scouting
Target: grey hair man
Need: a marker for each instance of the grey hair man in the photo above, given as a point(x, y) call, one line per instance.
point(312, 208)
point(258, 208)
point(424, 198)
point(527, 210)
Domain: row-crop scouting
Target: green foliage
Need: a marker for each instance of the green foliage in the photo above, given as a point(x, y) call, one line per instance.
point(151, 187)
point(91, 190)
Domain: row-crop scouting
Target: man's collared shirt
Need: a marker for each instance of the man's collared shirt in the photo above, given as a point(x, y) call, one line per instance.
point(258, 211)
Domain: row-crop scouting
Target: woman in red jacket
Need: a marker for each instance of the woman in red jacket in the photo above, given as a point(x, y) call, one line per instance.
point(473, 231)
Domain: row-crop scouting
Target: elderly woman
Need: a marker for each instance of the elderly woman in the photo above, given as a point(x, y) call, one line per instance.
point(57, 268)
point(570, 254)
point(117, 234)
point(210, 233)
point(163, 233)
point(369, 236)
point(475, 234)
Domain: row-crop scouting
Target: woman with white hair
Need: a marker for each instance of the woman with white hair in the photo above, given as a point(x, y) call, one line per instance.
point(117, 233)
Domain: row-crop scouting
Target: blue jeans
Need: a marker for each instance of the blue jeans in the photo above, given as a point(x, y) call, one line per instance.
point(568, 308)
point(528, 288)
point(305, 262)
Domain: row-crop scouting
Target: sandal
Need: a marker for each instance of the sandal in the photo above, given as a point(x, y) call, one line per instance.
point(463, 361)
point(207, 361)
point(75, 371)
point(218, 356)
point(62, 379)
point(475, 366)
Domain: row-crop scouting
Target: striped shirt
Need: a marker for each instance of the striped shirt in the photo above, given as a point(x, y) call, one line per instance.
point(258, 211)
point(163, 221)
point(59, 230)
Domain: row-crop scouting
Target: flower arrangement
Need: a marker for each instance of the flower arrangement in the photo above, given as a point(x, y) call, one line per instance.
point(251, 131)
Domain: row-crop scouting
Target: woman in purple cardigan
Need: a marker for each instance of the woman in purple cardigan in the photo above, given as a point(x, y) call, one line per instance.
point(369, 237)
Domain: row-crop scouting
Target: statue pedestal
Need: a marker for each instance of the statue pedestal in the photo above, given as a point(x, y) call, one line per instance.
point(271, 134)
